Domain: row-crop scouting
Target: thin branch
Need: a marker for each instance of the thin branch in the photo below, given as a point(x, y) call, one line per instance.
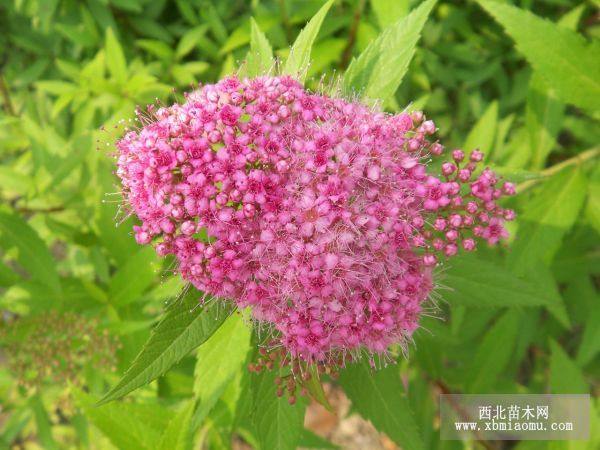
point(580, 158)
point(51, 209)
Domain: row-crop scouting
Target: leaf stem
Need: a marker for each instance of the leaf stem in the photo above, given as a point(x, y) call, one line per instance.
point(580, 158)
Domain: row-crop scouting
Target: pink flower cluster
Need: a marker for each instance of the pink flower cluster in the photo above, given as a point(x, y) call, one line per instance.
point(317, 212)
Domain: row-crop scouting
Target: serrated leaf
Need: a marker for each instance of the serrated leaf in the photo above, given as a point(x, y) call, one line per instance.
point(378, 395)
point(260, 56)
point(570, 65)
point(565, 376)
point(483, 132)
point(476, 282)
point(379, 70)
point(33, 255)
point(548, 216)
point(218, 360)
point(185, 326)
point(178, 434)
point(299, 58)
point(493, 353)
point(278, 424)
point(115, 59)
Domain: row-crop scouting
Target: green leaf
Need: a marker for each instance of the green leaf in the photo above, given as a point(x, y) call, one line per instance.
point(493, 353)
point(260, 56)
point(33, 255)
point(592, 210)
point(548, 216)
point(590, 340)
point(178, 434)
point(541, 275)
point(544, 116)
point(218, 360)
point(116, 240)
point(389, 11)
point(565, 376)
point(308, 439)
point(43, 424)
point(299, 58)
point(378, 71)
point(476, 282)
point(378, 395)
point(115, 59)
point(7, 276)
point(185, 326)
point(278, 424)
point(189, 40)
point(132, 279)
point(315, 388)
point(127, 425)
point(482, 135)
point(569, 65)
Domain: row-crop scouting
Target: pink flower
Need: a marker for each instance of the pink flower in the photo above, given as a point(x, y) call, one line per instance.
point(321, 213)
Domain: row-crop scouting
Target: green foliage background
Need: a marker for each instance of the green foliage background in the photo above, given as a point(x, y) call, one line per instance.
point(518, 79)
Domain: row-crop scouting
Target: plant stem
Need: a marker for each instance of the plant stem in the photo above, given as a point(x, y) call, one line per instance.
point(347, 54)
point(580, 158)
point(286, 21)
point(444, 389)
point(8, 107)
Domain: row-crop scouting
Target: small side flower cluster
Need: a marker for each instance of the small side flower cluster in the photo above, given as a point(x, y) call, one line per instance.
point(317, 212)
point(56, 347)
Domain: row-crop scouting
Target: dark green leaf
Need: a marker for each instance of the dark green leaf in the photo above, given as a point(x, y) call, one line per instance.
point(378, 395)
point(185, 326)
point(493, 353)
point(565, 376)
point(472, 281)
